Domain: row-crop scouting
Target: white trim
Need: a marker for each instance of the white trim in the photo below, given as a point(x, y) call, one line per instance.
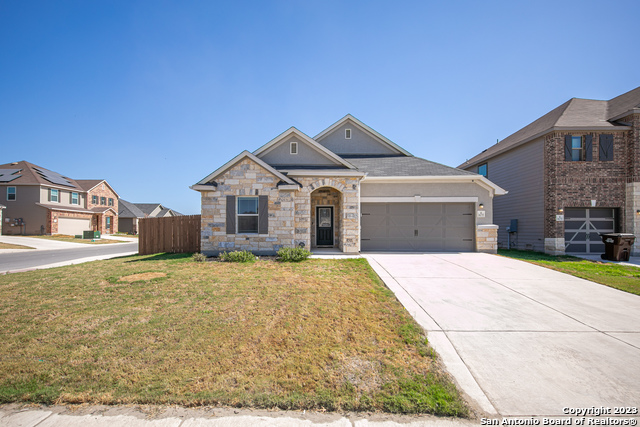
point(347, 133)
point(417, 199)
point(237, 159)
point(365, 128)
point(475, 178)
point(293, 144)
point(199, 187)
point(313, 144)
point(329, 172)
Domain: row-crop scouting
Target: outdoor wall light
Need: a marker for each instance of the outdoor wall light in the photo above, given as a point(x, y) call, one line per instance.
point(481, 206)
point(638, 212)
point(560, 210)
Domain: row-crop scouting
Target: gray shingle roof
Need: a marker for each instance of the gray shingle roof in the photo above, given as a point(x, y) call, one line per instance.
point(403, 166)
point(575, 113)
point(128, 210)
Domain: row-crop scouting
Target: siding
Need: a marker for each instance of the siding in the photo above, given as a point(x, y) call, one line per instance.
point(520, 172)
point(24, 207)
point(307, 156)
point(361, 142)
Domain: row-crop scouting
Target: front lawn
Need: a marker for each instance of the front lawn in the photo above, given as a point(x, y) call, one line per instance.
point(65, 238)
point(617, 276)
point(12, 246)
point(162, 329)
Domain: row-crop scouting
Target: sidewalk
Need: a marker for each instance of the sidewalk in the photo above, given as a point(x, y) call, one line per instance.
point(37, 243)
point(15, 415)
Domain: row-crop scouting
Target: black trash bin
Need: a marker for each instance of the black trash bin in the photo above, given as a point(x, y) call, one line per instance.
point(617, 246)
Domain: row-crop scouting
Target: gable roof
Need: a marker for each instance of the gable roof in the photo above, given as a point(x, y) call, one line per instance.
point(575, 114)
point(237, 159)
point(128, 210)
point(404, 166)
point(313, 144)
point(89, 184)
point(26, 173)
point(381, 138)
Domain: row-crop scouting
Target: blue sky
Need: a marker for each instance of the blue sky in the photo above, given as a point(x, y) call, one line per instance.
point(154, 95)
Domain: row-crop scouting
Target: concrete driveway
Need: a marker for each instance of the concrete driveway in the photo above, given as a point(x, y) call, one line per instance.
point(521, 339)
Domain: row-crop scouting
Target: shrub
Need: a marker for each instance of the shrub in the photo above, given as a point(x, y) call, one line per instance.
point(198, 257)
point(237, 256)
point(293, 254)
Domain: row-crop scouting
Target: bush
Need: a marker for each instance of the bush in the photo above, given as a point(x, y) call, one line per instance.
point(293, 254)
point(198, 257)
point(237, 256)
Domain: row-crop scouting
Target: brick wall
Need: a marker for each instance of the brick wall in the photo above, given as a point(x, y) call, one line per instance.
point(103, 190)
point(575, 184)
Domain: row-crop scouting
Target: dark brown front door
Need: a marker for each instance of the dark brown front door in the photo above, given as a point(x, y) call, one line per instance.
point(324, 227)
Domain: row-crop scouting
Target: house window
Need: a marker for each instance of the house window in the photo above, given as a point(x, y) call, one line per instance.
point(74, 199)
point(94, 200)
point(347, 134)
point(54, 196)
point(110, 201)
point(11, 193)
point(103, 200)
point(577, 148)
point(293, 148)
point(482, 170)
point(247, 215)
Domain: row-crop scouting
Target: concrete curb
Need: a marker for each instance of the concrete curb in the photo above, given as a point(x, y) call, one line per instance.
point(70, 262)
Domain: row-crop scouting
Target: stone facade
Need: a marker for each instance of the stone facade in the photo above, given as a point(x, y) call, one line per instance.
point(290, 214)
point(570, 184)
point(487, 238)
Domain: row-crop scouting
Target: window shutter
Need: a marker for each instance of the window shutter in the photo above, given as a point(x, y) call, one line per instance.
point(263, 214)
point(231, 214)
point(567, 148)
point(588, 148)
point(606, 148)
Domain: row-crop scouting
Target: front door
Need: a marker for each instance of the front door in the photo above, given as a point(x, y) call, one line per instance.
point(324, 227)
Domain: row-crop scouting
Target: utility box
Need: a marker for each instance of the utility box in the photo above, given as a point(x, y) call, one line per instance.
point(617, 246)
point(90, 234)
point(513, 227)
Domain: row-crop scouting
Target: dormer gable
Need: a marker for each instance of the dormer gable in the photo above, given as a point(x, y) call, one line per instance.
point(350, 137)
point(293, 148)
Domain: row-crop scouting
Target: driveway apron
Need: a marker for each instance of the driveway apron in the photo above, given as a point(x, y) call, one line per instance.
point(519, 339)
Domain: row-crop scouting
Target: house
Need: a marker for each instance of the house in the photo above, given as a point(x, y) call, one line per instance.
point(348, 188)
point(130, 213)
point(571, 174)
point(40, 201)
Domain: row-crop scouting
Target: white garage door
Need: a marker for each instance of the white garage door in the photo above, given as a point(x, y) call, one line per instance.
point(73, 226)
point(418, 227)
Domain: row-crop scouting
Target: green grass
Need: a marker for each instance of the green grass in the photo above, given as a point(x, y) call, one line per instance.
point(65, 238)
point(617, 276)
point(162, 329)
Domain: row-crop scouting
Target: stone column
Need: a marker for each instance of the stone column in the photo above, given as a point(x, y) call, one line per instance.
point(487, 238)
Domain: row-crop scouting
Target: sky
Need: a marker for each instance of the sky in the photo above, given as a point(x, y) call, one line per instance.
point(154, 95)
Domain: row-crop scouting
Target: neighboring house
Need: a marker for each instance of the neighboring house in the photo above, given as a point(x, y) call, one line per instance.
point(40, 201)
point(130, 213)
point(571, 174)
point(348, 188)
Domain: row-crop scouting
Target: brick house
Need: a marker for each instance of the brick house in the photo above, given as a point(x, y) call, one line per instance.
point(571, 174)
point(349, 188)
point(40, 201)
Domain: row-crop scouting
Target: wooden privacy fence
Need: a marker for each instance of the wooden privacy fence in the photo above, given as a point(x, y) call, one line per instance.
point(176, 234)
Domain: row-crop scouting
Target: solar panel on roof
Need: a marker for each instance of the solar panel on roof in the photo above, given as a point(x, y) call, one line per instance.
point(8, 175)
point(53, 177)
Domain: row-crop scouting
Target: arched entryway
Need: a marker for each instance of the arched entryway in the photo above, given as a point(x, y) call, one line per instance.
point(326, 218)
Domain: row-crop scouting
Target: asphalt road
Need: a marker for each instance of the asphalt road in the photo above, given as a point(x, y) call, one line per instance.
point(31, 259)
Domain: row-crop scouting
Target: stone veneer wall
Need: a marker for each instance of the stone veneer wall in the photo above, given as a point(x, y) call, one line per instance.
point(487, 238)
point(327, 196)
point(289, 211)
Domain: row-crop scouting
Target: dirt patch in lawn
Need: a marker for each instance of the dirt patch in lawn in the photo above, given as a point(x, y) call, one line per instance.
point(142, 276)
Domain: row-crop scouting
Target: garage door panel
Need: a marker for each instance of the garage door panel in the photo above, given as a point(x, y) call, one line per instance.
point(583, 226)
point(73, 226)
point(425, 227)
